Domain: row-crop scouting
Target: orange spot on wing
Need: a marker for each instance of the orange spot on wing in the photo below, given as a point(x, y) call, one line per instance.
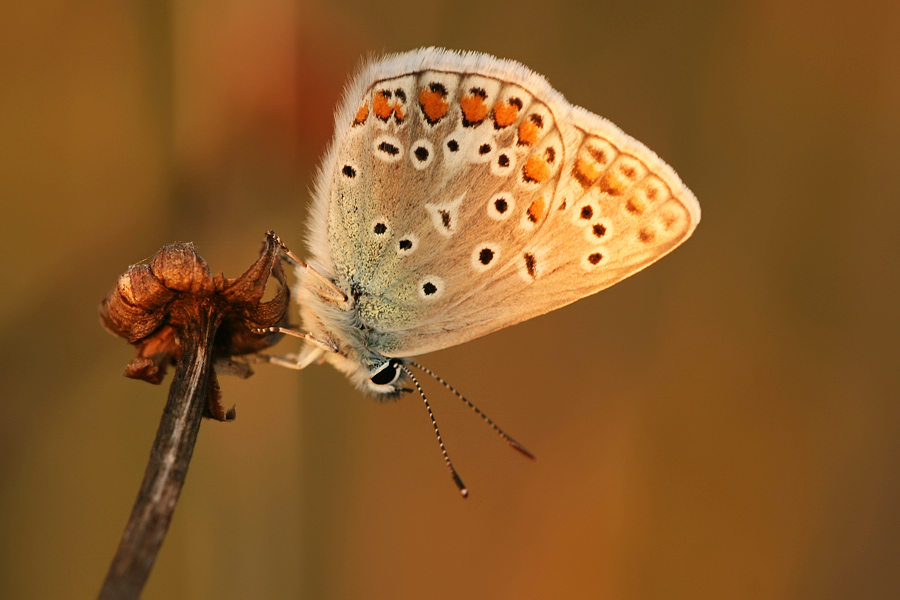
point(528, 133)
point(536, 210)
point(433, 104)
point(384, 108)
point(612, 184)
point(635, 206)
point(505, 114)
point(536, 169)
point(640, 200)
point(474, 108)
point(586, 172)
point(361, 115)
point(381, 106)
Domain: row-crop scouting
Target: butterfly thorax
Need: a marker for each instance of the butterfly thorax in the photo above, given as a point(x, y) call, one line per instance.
point(339, 324)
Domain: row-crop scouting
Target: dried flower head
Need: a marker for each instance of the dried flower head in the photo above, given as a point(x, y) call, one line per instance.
point(157, 306)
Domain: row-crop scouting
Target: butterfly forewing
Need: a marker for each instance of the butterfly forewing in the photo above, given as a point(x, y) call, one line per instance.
point(466, 195)
point(439, 178)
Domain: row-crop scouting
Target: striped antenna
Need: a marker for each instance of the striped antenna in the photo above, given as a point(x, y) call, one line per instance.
point(487, 420)
point(456, 479)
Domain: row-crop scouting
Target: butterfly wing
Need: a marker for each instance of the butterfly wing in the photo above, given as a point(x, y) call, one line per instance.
point(463, 194)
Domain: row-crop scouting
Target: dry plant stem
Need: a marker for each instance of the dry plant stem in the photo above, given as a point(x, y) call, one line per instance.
point(169, 460)
point(175, 312)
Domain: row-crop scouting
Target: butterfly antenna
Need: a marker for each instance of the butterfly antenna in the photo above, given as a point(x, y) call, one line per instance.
point(487, 419)
point(453, 473)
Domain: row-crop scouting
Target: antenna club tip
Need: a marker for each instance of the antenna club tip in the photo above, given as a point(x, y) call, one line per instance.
point(459, 484)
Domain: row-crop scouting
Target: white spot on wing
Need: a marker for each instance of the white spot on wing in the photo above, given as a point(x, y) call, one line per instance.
point(595, 259)
point(387, 148)
point(430, 288)
point(407, 244)
point(504, 162)
point(489, 251)
point(421, 153)
point(445, 217)
point(597, 230)
point(494, 207)
point(380, 228)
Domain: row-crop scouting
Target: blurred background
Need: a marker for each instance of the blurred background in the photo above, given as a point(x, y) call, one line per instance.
point(723, 425)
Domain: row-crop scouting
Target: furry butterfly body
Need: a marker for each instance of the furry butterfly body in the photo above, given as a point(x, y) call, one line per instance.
point(462, 194)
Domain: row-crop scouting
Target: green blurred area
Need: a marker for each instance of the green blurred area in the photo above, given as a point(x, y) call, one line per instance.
point(723, 425)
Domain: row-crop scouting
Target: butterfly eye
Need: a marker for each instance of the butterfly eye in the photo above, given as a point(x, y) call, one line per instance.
point(387, 373)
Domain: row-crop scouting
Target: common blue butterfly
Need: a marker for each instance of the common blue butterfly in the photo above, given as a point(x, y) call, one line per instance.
point(462, 194)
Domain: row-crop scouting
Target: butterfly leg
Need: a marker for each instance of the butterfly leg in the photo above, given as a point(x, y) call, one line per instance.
point(322, 344)
point(293, 258)
point(310, 354)
point(297, 361)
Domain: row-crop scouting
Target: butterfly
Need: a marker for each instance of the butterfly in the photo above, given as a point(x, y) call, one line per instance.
point(462, 194)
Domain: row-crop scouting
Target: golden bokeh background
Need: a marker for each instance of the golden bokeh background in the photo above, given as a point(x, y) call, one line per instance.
point(723, 425)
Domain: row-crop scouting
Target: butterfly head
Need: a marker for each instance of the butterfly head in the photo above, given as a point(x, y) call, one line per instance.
point(386, 381)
